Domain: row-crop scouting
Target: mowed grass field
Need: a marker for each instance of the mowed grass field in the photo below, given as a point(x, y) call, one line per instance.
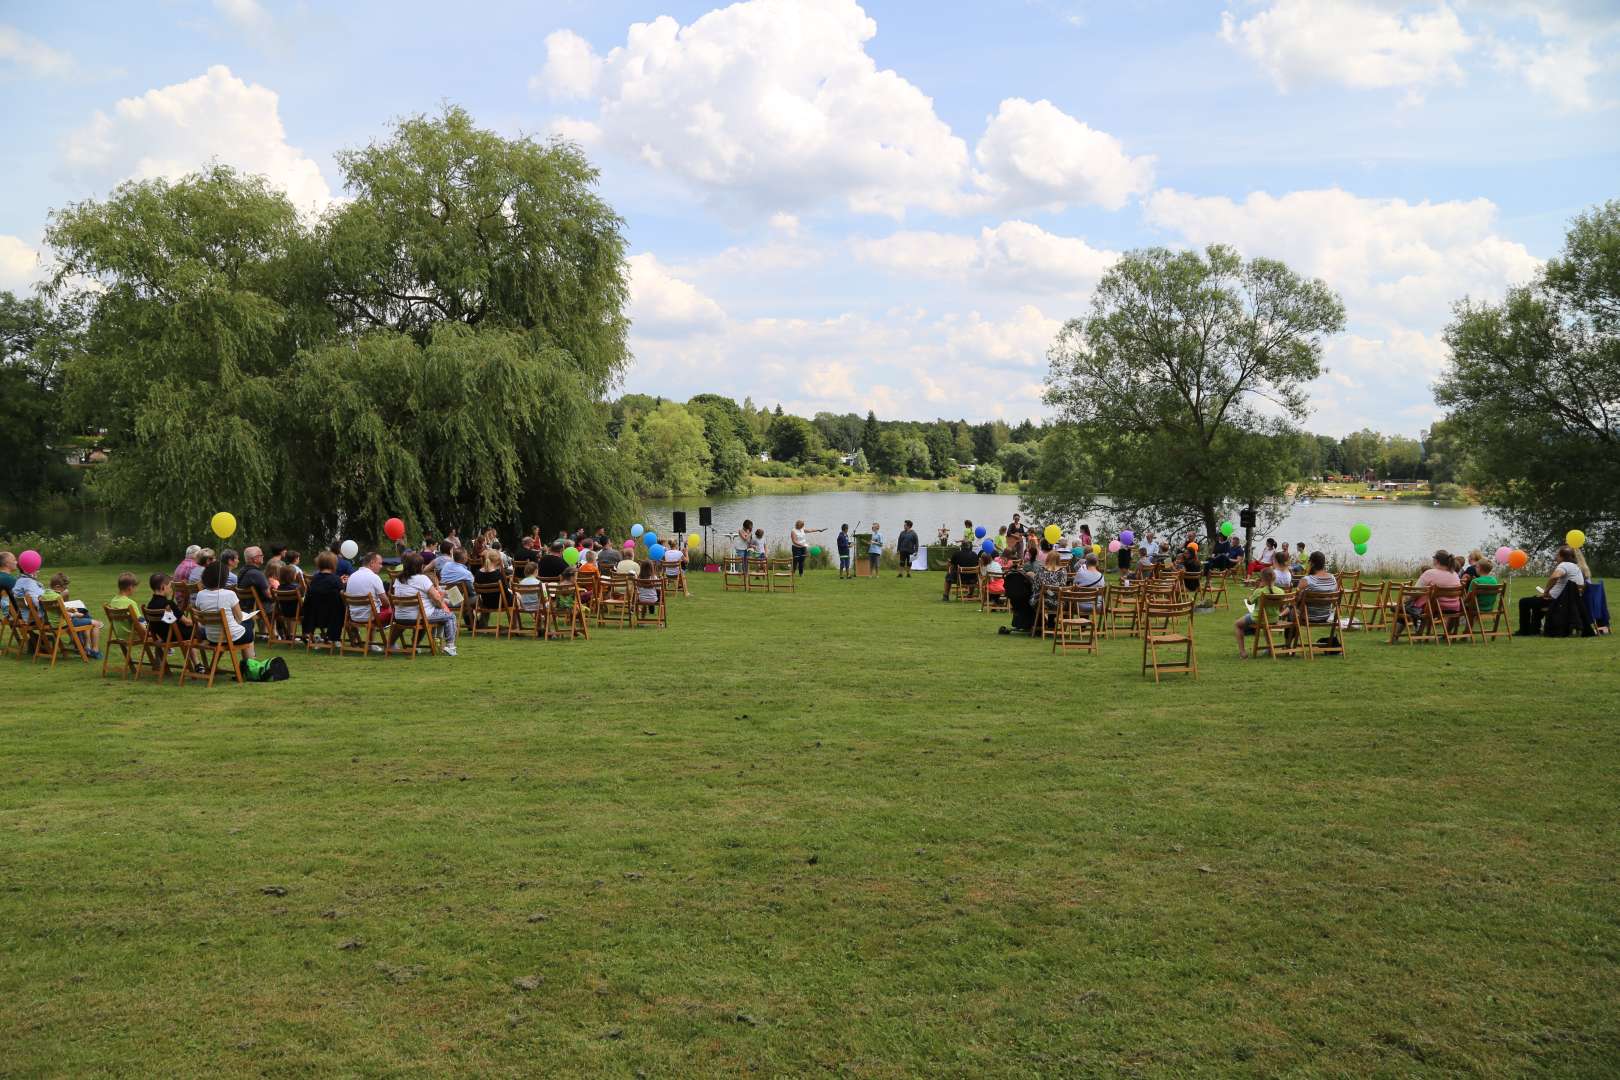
point(850, 830)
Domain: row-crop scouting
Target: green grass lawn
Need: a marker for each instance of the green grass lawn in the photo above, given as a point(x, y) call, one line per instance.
point(849, 830)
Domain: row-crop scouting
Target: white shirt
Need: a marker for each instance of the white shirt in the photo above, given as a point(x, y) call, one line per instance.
point(408, 593)
point(797, 538)
point(364, 582)
point(1572, 575)
point(1087, 578)
point(1152, 551)
point(211, 600)
point(1284, 578)
point(672, 562)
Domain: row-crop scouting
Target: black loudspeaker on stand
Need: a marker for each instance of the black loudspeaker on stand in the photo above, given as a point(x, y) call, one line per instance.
point(680, 523)
point(705, 516)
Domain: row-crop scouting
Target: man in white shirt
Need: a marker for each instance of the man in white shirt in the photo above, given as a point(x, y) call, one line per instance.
point(1088, 576)
point(1151, 552)
point(366, 582)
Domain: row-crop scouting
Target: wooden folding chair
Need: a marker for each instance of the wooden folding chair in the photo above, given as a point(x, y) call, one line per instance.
point(1452, 626)
point(1213, 589)
point(758, 574)
point(993, 602)
point(1487, 609)
point(156, 643)
point(410, 617)
point(617, 604)
point(1046, 608)
point(1168, 624)
point(285, 628)
point(1313, 613)
point(782, 576)
point(15, 632)
point(565, 611)
point(124, 633)
point(209, 652)
point(528, 602)
point(1272, 621)
point(966, 585)
point(1369, 606)
point(660, 610)
point(1079, 611)
point(1415, 628)
point(733, 576)
point(183, 592)
point(1122, 612)
point(376, 630)
point(54, 623)
point(491, 600)
point(675, 578)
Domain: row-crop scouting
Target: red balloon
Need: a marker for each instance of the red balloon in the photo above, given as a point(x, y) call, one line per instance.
point(394, 529)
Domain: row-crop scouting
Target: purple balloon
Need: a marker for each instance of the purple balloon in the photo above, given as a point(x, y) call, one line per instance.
point(1127, 538)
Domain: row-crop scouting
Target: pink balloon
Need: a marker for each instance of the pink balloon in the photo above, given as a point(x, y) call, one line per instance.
point(629, 545)
point(1113, 546)
point(29, 561)
point(1502, 554)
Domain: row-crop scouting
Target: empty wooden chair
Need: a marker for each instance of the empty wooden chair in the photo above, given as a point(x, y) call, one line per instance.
point(1122, 611)
point(734, 577)
point(781, 575)
point(1487, 610)
point(758, 573)
point(16, 633)
point(1213, 590)
point(125, 631)
point(1168, 625)
point(1369, 606)
point(617, 604)
point(1079, 612)
point(566, 612)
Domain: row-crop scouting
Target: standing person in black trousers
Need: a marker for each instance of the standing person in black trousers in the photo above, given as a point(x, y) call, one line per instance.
point(799, 538)
point(905, 546)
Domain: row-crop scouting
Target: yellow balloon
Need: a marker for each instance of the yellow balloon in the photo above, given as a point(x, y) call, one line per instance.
point(1575, 538)
point(224, 525)
point(1096, 549)
point(1053, 534)
point(694, 540)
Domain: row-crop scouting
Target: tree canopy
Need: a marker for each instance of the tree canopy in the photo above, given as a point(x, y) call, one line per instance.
point(1178, 385)
point(1533, 385)
point(434, 348)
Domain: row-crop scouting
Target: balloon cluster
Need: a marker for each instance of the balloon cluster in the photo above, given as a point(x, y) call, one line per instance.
point(1360, 533)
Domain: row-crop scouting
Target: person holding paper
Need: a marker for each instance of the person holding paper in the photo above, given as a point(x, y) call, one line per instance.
point(214, 598)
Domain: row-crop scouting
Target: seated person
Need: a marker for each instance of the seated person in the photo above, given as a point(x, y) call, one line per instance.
point(124, 601)
point(1439, 574)
point(86, 629)
point(646, 588)
point(1020, 589)
point(365, 581)
point(1484, 573)
point(492, 572)
point(1320, 581)
point(529, 602)
point(1282, 575)
point(1245, 626)
point(995, 582)
point(674, 561)
point(1051, 577)
point(961, 559)
point(552, 564)
point(214, 598)
point(323, 600)
point(414, 590)
point(1088, 575)
point(1532, 609)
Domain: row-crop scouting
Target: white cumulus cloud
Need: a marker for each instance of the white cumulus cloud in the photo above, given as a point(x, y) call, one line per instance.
point(19, 264)
point(248, 16)
point(1357, 43)
point(664, 306)
point(777, 104)
point(1033, 154)
point(173, 130)
point(31, 54)
point(1013, 255)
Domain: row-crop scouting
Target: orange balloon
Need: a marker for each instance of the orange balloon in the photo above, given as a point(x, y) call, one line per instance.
point(1518, 559)
point(1192, 545)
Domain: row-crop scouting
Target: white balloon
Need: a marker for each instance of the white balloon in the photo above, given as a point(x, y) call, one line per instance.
point(349, 549)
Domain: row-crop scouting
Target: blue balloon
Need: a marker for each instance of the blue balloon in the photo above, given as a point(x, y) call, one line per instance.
point(979, 532)
point(988, 547)
point(656, 552)
point(651, 537)
point(636, 531)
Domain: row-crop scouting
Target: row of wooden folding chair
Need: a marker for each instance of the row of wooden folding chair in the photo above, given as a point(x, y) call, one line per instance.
point(33, 629)
point(1294, 618)
point(1448, 613)
point(752, 575)
point(1078, 613)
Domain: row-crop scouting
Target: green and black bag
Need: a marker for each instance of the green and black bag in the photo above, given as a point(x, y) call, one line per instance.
point(271, 670)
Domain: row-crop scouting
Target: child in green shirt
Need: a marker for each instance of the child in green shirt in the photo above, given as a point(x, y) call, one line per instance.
point(125, 600)
point(1245, 626)
point(1483, 576)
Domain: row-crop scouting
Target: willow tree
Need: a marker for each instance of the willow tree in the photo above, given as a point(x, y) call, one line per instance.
point(435, 347)
point(1177, 394)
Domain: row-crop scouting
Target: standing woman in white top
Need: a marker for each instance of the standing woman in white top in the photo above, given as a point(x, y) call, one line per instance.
point(799, 537)
point(415, 587)
point(214, 598)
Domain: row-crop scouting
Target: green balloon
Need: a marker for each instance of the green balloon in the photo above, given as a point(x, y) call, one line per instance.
point(1361, 549)
point(1360, 534)
point(816, 551)
point(571, 555)
point(1226, 528)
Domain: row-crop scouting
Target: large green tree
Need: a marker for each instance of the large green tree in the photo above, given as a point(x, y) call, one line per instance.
point(1533, 385)
point(36, 341)
point(435, 347)
point(1164, 384)
point(669, 451)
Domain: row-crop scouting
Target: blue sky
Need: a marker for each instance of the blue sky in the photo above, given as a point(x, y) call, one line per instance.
point(835, 205)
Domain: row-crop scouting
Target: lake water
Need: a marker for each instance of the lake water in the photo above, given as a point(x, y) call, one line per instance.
point(1402, 532)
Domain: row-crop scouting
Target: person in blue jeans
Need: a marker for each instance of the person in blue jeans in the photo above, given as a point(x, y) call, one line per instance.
point(874, 549)
point(844, 568)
